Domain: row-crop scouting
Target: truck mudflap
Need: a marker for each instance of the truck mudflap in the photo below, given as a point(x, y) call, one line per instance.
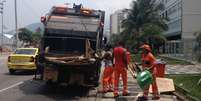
point(50, 74)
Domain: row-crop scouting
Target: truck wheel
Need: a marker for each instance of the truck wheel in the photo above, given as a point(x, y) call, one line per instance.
point(96, 83)
point(11, 71)
point(50, 83)
point(97, 73)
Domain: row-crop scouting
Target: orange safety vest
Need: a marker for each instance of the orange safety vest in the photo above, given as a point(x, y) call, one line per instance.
point(148, 60)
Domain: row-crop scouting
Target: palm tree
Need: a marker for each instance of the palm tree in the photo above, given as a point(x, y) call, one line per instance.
point(29, 37)
point(144, 12)
point(25, 35)
point(153, 35)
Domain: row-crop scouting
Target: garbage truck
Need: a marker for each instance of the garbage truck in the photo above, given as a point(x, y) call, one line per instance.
point(70, 49)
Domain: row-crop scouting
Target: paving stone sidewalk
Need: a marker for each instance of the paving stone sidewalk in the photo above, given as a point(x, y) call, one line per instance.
point(135, 91)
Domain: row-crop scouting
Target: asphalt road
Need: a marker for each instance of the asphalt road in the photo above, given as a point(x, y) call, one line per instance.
point(21, 87)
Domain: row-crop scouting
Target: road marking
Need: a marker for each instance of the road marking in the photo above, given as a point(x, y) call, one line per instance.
point(12, 86)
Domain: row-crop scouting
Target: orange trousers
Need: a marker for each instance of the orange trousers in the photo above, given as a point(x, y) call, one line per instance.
point(108, 80)
point(120, 71)
point(154, 85)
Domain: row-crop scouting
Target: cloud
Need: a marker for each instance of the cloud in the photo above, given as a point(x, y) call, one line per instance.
point(30, 12)
point(111, 5)
point(8, 35)
point(108, 5)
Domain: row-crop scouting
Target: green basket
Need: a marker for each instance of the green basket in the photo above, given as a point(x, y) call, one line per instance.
point(144, 79)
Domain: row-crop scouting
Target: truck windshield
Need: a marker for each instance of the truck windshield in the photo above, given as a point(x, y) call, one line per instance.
point(25, 51)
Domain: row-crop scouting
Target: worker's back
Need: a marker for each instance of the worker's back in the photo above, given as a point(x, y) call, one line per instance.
point(119, 53)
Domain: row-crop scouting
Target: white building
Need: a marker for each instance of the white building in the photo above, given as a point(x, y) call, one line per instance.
point(184, 20)
point(173, 12)
point(116, 20)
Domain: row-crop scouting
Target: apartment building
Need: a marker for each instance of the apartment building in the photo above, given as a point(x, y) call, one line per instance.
point(116, 19)
point(184, 20)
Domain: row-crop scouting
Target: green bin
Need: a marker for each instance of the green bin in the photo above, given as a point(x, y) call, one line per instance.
point(144, 79)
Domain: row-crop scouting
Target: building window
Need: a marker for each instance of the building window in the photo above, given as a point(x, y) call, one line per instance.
point(174, 25)
point(166, 13)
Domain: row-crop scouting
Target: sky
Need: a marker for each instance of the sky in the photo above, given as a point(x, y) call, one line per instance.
point(30, 11)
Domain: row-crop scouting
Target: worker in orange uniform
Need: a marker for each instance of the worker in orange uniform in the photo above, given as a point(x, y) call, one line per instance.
point(120, 69)
point(108, 71)
point(148, 62)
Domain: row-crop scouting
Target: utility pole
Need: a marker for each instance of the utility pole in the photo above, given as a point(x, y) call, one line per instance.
point(16, 25)
point(2, 25)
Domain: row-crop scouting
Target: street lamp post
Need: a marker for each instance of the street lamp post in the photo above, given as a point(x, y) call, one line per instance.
point(16, 25)
point(2, 25)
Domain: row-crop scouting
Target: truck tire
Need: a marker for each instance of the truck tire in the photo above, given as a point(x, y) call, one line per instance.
point(11, 71)
point(51, 84)
point(97, 76)
point(96, 83)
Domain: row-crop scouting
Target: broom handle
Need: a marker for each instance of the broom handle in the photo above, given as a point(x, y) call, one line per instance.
point(138, 70)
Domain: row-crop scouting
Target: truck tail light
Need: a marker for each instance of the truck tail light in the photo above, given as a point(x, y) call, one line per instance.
point(43, 19)
point(61, 10)
point(86, 11)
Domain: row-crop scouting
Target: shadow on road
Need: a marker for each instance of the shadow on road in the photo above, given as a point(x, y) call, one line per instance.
point(33, 88)
point(121, 99)
point(20, 73)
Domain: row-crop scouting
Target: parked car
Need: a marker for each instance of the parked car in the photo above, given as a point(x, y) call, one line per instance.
point(22, 59)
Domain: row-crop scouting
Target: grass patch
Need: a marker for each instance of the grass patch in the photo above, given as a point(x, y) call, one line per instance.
point(170, 61)
point(189, 84)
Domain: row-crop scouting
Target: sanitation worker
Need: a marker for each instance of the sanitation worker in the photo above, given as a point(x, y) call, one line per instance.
point(108, 71)
point(120, 69)
point(148, 62)
point(40, 63)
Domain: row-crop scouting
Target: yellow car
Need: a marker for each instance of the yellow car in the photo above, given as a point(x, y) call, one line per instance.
point(22, 59)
